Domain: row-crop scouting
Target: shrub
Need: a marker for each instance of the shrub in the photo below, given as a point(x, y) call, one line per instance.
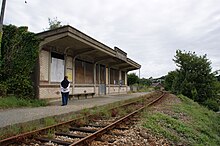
point(3, 90)
point(19, 52)
point(212, 104)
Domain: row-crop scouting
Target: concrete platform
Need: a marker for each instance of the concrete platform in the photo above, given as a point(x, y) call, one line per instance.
point(22, 115)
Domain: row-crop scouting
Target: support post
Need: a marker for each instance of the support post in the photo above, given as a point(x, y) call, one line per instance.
point(1, 26)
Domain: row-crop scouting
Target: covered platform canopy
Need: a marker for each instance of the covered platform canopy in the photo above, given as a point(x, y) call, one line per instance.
point(70, 41)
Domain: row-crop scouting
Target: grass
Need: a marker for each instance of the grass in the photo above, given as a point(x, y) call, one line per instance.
point(49, 121)
point(199, 126)
point(12, 102)
point(146, 89)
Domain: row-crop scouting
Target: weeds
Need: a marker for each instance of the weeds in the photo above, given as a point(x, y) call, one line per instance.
point(12, 101)
point(49, 121)
point(200, 127)
point(50, 133)
point(85, 111)
point(80, 122)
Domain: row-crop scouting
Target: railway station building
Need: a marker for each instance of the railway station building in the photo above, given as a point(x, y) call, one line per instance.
point(91, 66)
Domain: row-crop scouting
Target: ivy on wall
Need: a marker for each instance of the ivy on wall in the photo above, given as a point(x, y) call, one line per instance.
point(19, 53)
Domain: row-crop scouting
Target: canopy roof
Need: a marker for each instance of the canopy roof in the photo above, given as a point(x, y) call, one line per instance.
point(70, 41)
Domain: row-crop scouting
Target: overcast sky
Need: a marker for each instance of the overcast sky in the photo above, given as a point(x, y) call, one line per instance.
point(150, 31)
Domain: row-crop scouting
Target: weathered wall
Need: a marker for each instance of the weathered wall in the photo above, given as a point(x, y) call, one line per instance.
point(44, 65)
point(69, 68)
point(46, 92)
point(49, 89)
point(83, 89)
point(114, 89)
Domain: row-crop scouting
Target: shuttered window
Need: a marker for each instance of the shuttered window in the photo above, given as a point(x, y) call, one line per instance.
point(84, 72)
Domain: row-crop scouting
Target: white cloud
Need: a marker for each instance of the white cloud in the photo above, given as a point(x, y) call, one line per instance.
point(149, 31)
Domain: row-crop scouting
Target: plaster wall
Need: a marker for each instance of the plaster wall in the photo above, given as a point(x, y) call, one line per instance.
point(44, 65)
point(83, 89)
point(50, 92)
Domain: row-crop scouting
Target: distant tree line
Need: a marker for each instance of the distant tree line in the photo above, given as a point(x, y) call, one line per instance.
point(194, 79)
point(134, 79)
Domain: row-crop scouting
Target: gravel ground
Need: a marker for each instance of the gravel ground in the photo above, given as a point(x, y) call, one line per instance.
point(22, 115)
point(138, 135)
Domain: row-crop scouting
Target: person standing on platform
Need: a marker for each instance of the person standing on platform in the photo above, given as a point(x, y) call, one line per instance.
point(65, 89)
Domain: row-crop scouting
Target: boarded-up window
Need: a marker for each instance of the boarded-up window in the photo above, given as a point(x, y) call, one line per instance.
point(57, 67)
point(84, 72)
point(89, 73)
point(123, 78)
point(79, 72)
point(114, 76)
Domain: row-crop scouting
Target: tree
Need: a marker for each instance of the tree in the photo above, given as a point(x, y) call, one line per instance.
point(53, 24)
point(169, 80)
point(218, 78)
point(144, 81)
point(194, 78)
point(132, 79)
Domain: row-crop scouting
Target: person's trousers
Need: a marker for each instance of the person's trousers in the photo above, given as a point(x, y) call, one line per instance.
point(65, 97)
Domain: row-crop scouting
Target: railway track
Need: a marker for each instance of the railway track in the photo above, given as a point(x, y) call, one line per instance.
point(72, 133)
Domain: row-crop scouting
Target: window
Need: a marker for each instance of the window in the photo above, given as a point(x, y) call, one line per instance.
point(57, 67)
point(114, 76)
point(84, 72)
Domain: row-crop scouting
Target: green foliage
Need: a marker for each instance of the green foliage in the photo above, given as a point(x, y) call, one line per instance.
point(143, 88)
point(53, 24)
point(187, 123)
point(19, 54)
point(49, 121)
point(156, 88)
point(218, 78)
point(217, 86)
point(145, 82)
point(132, 79)
point(193, 78)
point(169, 80)
point(12, 101)
point(212, 104)
point(3, 89)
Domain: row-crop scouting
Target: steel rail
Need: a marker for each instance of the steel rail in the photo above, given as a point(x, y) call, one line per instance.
point(22, 136)
point(86, 140)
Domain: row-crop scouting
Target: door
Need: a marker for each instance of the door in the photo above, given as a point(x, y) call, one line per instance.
point(102, 80)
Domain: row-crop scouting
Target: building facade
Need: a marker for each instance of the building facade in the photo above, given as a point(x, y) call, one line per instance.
point(91, 66)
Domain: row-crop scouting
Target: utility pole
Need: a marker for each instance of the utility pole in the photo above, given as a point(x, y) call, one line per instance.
point(1, 26)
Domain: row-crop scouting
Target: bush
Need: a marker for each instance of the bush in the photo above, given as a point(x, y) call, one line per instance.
point(212, 104)
point(3, 90)
point(157, 88)
point(19, 52)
